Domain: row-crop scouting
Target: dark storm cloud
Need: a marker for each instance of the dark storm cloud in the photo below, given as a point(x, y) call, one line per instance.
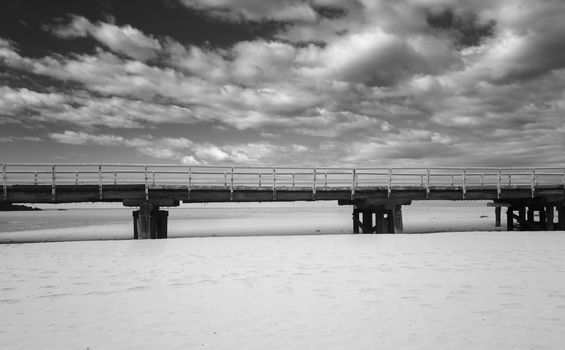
point(465, 28)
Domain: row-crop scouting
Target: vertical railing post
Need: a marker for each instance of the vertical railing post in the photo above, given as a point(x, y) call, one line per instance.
point(389, 186)
point(464, 183)
point(274, 184)
point(76, 177)
point(482, 179)
point(146, 183)
point(115, 177)
point(498, 190)
point(5, 181)
point(354, 172)
point(260, 178)
point(231, 185)
point(326, 179)
point(189, 183)
point(53, 181)
point(314, 183)
point(509, 179)
point(293, 179)
point(100, 181)
point(153, 177)
point(225, 178)
point(533, 182)
point(427, 183)
point(35, 178)
point(356, 179)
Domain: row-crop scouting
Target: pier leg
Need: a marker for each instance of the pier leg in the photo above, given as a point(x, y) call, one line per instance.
point(380, 224)
point(378, 219)
point(355, 221)
point(509, 219)
point(542, 218)
point(390, 221)
point(398, 223)
point(135, 219)
point(368, 221)
point(549, 213)
point(561, 219)
point(530, 217)
point(497, 212)
point(149, 222)
point(522, 216)
point(144, 221)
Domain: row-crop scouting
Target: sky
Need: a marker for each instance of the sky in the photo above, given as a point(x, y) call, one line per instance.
point(382, 83)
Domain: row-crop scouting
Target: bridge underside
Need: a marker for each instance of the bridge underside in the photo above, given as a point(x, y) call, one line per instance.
point(376, 209)
point(201, 194)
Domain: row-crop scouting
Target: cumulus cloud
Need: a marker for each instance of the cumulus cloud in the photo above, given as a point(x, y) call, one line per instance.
point(255, 10)
point(182, 149)
point(125, 40)
point(82, 138)
point(397, 82)
point(377, 58)
point(118, 112)
point(12, 100)
point(86, 110)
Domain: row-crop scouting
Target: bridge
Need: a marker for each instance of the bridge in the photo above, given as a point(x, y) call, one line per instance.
point(535, 197)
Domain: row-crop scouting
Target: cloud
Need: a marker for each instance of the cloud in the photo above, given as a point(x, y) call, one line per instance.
point(377, 58)
point(8, 51)
point(87, 110)
point(465, 28)
point(10, 139)
point(185, 150)
point(82, 138)
point(125, 40)
point(255, 10)
point(12, 100)
point(389, 82)
point(527, 44)
point(118, 112)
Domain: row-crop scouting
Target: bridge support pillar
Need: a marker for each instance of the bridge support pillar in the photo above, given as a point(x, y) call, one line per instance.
point(377, 219)
point(561, 218)
point(149, 222)
point(497, 212)
point(535, 217)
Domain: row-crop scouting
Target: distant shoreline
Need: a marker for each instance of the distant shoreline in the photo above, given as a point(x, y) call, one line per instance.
point(17, 207)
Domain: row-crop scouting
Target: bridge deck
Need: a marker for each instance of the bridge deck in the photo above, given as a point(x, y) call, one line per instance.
point(56, 183)
point(119, 193)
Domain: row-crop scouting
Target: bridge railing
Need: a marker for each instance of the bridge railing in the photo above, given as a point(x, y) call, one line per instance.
point(275, 177)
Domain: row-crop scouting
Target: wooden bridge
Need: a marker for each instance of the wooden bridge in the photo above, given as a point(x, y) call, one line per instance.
point(377, 194)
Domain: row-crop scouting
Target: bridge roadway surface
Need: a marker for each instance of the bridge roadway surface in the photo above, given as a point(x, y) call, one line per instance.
point(378, 190)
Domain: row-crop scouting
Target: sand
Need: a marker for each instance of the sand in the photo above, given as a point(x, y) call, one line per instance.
point(457, 290)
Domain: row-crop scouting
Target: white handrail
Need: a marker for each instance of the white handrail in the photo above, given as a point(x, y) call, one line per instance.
point(103, 175)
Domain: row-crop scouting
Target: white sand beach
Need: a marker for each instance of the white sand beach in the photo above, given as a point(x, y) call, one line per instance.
point(450, 290)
